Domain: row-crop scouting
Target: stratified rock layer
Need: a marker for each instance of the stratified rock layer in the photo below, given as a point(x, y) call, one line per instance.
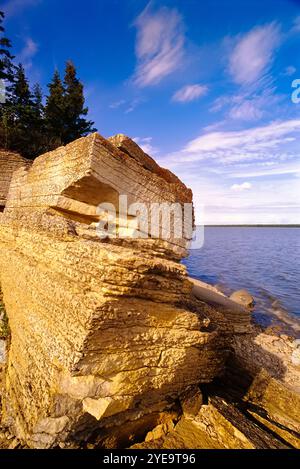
point(9, 162)
point(103, 331)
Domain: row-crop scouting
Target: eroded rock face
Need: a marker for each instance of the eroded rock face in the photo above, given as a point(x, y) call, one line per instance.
point(9, 162)
point(103, 331)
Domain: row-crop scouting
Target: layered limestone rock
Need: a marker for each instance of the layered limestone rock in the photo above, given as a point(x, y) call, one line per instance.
point(9, 162)
point(104, 330)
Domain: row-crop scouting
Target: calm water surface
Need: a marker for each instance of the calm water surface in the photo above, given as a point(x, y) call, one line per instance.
point(265, 261)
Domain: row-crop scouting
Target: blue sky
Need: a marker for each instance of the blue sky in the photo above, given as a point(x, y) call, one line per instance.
point(204, 87)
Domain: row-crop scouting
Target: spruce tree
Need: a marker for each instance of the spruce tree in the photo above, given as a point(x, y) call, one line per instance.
point(55, 112)
point(76, 125)
point(6, 79)
point(39, 141)
point(65, 112)
point(6, 65)
point(20, 113)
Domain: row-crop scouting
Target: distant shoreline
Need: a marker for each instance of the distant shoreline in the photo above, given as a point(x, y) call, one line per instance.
point(251, 226)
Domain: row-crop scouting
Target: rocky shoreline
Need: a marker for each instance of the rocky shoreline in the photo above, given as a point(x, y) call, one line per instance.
point(112, 345)
point(252, 406)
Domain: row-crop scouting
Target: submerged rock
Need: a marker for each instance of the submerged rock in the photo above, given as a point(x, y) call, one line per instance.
point(243, 297)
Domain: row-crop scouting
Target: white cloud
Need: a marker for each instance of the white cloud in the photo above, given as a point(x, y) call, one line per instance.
point(289, 71)
point(159, 45)
point(127, 106)
point(190, 93)
point(272, 168)
point(14, 7)
point(132, 105)
point(296, 25)
point(212, 163)
point(241, 187)
point(146, 145)
point(117, 104)
point(253, 54)
point(28, 52)
point(249, 105)
point(257, 138)
point(246, 111)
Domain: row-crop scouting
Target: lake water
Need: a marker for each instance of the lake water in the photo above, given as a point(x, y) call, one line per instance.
point(264, 261)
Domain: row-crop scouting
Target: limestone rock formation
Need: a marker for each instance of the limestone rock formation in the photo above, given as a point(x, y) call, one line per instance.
point(105, 333)
point(9, 162)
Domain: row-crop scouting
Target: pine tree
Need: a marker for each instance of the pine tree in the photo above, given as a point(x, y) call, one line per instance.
point(65, 112)
point(39, 142)
point(19, 113)
point(38, 107)
point(6, 79)
point(55, 112)
point(76, 125)
point(6, 65)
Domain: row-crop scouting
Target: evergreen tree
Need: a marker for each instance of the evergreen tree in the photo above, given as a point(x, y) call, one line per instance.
point(19, 113)
point(55, 112)
point(65, 112)
point(25, 117)
point(6, 65)
point(76, 125)
point(37, 99)
point(6, 79)
point(39, 141)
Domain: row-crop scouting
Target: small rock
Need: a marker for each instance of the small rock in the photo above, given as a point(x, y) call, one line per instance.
point(14, 444)
point(243, 297)
point(191, 402)
point(296, 353)
point(160, 431)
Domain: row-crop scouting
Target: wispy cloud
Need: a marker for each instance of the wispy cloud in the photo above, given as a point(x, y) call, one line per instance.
point(248, 106)
point(28, 52)
point(296, 25)
point(117, 104)
point(249, 66)
point(133, 104)
point(259, 137)
point(269, 143)
point(146, 144)
point(245, 186)
point(253, 54)
point(15, 7)
point(127, 106)
point(190, 93)
point(289, 71)
point(220, 167)
point(159, 45)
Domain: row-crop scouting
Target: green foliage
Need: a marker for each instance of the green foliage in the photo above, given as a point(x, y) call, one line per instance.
point(6, 65)
point(26, 125)
point(65, 111)
point(75, 124)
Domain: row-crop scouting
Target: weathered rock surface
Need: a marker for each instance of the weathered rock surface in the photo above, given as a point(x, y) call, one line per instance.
point(105, 332)
point(243, 297)
point(9, 162)
point(236, 316)
point(269, 351)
